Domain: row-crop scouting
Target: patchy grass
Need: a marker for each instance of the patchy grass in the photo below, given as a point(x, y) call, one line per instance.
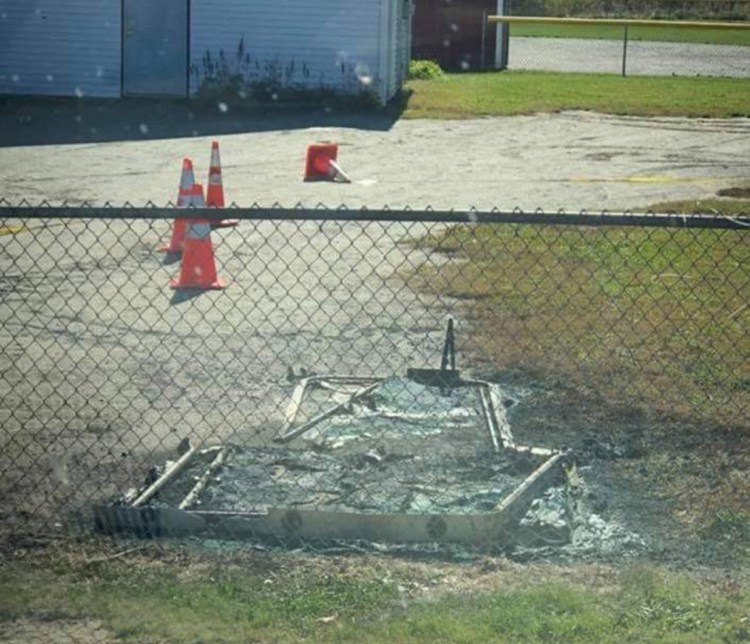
point(707, 483)
point(626, 320)
point(730, 207)
point(188, 597)
point(173, 601)
point(610, 32)
point(463, 96)
point(653, 315)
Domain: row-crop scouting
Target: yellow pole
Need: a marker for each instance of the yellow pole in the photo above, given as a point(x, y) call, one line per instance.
point(618, 22)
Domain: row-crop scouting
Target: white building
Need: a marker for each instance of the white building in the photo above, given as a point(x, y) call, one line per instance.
point(113, 48)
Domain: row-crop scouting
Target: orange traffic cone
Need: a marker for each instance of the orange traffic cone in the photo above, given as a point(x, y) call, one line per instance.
point(321, 164)
point(184, 200)
point(198, 268)
point(215, 195)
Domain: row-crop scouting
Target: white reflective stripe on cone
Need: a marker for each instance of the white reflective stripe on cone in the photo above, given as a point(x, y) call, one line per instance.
point(184, 199)
point(187, 179)
point(197, 201)
point(337, 171)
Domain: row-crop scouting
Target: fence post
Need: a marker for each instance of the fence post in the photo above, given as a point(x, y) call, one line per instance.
point(502, 36)
point(624, 49)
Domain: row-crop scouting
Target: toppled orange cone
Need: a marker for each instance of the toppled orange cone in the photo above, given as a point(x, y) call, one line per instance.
point(322, 165)
point(198, 270)
point(184, 200)
point(215, 195)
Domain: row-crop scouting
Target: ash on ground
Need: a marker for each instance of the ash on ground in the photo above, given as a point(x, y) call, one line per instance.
point(561, 522)
point(370, 482)
point(400, 414)
point(404, 448)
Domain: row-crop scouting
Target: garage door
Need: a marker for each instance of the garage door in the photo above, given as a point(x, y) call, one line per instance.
point(155, 48)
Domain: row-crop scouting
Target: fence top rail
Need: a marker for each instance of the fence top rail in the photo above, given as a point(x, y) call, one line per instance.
point(621, 22)
point(343, 214)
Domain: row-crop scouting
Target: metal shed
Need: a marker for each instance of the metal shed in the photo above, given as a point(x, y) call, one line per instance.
point(112, 48)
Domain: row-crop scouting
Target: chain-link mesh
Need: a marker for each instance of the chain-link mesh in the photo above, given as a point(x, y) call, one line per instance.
point(539, 385)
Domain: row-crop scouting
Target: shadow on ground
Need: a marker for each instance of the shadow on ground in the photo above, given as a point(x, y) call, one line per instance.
point(54, 121)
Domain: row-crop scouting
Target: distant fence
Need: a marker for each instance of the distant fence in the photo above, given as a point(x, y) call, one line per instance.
point(316, 395)
point(634, 46)
point(671, 9)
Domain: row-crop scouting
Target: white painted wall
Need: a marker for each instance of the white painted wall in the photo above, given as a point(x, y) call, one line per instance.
point(60, 47)
point(310, 43)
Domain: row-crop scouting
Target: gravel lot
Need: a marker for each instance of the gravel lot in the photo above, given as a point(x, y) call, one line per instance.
point(570, 161)
point(644, 58)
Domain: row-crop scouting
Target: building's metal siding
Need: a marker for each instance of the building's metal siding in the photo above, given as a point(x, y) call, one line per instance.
point(60, 47)
point(325, 43)
point(73, 47)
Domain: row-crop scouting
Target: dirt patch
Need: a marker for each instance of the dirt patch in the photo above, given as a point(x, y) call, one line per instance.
point(56, 631)
point(659, 476)
point(735, 193)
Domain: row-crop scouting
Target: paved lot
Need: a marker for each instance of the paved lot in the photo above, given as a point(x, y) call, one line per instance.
point(572, 160)
point(644, 58)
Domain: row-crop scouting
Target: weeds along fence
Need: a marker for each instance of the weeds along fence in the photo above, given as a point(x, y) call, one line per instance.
point(627, 46)
point(317, 397)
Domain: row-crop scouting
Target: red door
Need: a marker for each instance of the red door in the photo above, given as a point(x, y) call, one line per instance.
point(455, 33)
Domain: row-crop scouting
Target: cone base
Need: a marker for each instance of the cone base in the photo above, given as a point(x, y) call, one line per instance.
point(172, 250)
point(225, 223)
point(330, 178)
point(218, 285)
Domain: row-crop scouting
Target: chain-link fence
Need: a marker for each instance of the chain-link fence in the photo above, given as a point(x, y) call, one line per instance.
point(579, 52)
point(651, 39)
point(661, 9)
point(540, 385)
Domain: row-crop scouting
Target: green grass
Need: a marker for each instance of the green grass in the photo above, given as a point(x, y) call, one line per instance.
point(463, 96)
point(606, 32)
point(156, 602)
point(146, 598)
point(645, 609)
